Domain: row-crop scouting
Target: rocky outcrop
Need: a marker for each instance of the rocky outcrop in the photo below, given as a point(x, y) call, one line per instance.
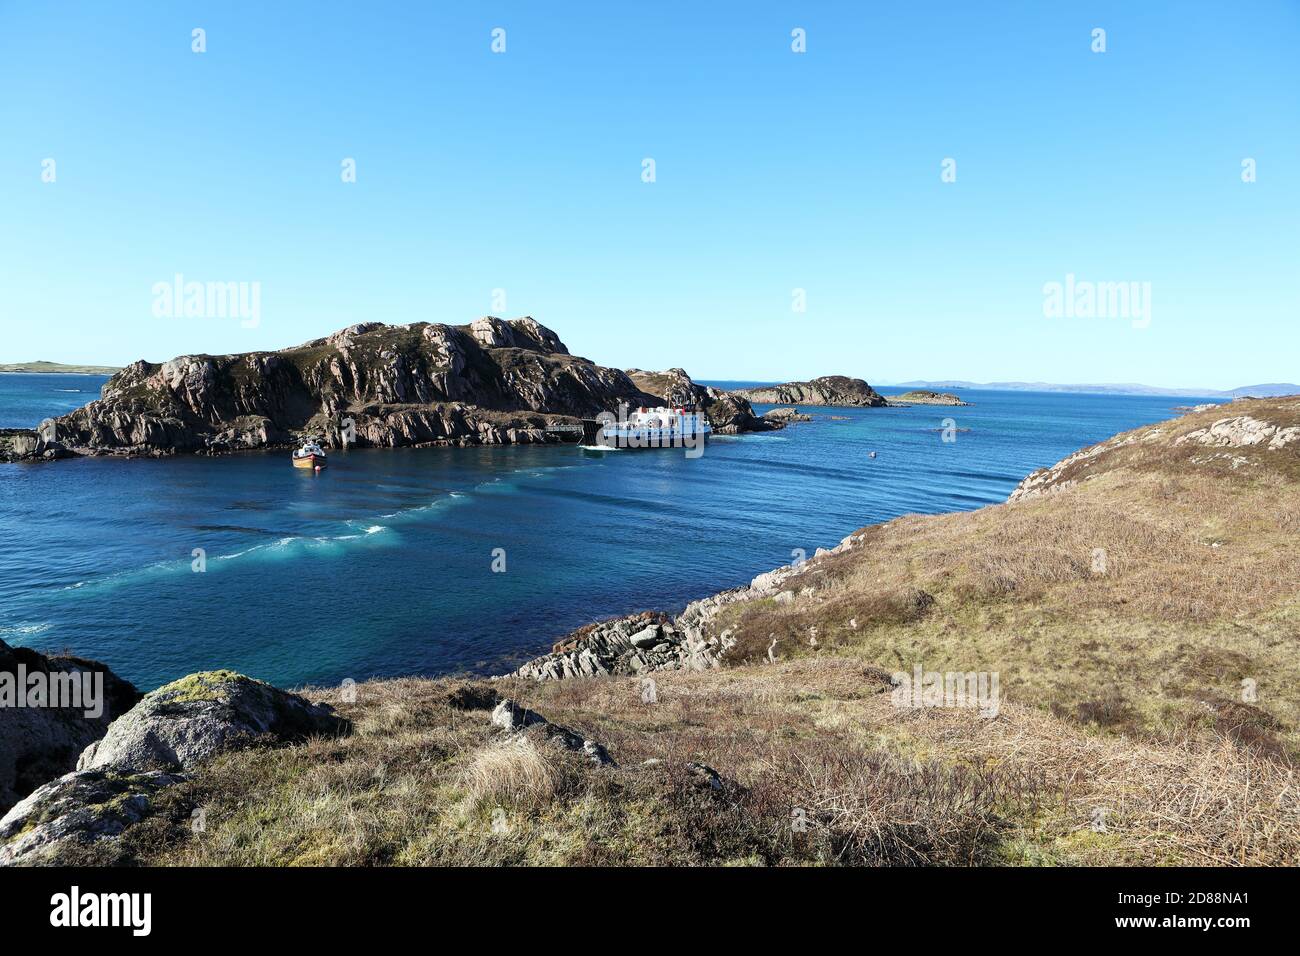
point(784, 416)
point(39, 742)
point(652, 641)
point(1242, 432)
point(26, 444)
point(1246, 442)
point(371, 384)
point(511, 717)
point(728, 413)
point(80, 807)
point(925, 397)
point(636, 644)
point(1066, 473)
point(188, 721)
point(836, 390)
point(153, 745)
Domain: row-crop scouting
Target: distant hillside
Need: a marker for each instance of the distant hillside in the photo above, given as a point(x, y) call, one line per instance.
point(1124, 388)
point(59, 368)
point(1273, 390)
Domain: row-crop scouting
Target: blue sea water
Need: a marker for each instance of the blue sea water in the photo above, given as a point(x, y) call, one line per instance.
point(383, 563)
point(26, 398)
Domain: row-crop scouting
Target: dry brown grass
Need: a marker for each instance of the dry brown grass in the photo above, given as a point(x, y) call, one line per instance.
point(1139, 599)
point(887, 785)
point(512, 772)
point(818, 766)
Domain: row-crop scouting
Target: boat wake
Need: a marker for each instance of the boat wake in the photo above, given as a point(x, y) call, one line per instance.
point(283, 548)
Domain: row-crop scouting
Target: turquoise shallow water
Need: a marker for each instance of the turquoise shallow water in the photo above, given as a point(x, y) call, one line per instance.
point(382, 564)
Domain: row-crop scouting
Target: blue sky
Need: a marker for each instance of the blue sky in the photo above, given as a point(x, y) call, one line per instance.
point(775, 171)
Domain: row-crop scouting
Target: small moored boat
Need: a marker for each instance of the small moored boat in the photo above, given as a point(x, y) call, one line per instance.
point(309, 455)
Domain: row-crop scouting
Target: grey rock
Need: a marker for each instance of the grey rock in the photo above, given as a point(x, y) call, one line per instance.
point(38, 744)
point(786, 415)
point(646, 637)
point(1242, 431)
point(82, 806)
point(509, 715)
point(196, 717)
point(24, 445)
point(513, 718)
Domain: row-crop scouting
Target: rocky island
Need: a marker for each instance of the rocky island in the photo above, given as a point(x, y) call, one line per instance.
point(925, 397)
point(834, 390)
point(786, 415)
point(489, 382)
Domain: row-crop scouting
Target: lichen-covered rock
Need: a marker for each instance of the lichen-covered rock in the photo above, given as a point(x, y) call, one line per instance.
point(38, 744)
point(82, 806)
point(190, 720)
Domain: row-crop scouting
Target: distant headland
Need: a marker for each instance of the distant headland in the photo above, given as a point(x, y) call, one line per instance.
point(1268, 390)
point(58, 368)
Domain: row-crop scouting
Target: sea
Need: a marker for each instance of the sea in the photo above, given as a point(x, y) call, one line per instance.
point(468, 560)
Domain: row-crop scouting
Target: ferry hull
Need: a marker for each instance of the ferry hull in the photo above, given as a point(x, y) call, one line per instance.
point(612, 439)
point(656, 428)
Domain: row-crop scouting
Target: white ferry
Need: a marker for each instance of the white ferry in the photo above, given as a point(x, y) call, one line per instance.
point(662, 427)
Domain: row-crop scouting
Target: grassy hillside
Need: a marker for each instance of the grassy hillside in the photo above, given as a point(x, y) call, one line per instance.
point(1134, 587)
point(1138, 602)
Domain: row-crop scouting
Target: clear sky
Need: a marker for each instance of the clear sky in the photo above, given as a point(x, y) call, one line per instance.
point(774, 171)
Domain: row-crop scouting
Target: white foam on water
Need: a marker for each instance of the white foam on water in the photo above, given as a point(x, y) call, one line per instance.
point(26, 628)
